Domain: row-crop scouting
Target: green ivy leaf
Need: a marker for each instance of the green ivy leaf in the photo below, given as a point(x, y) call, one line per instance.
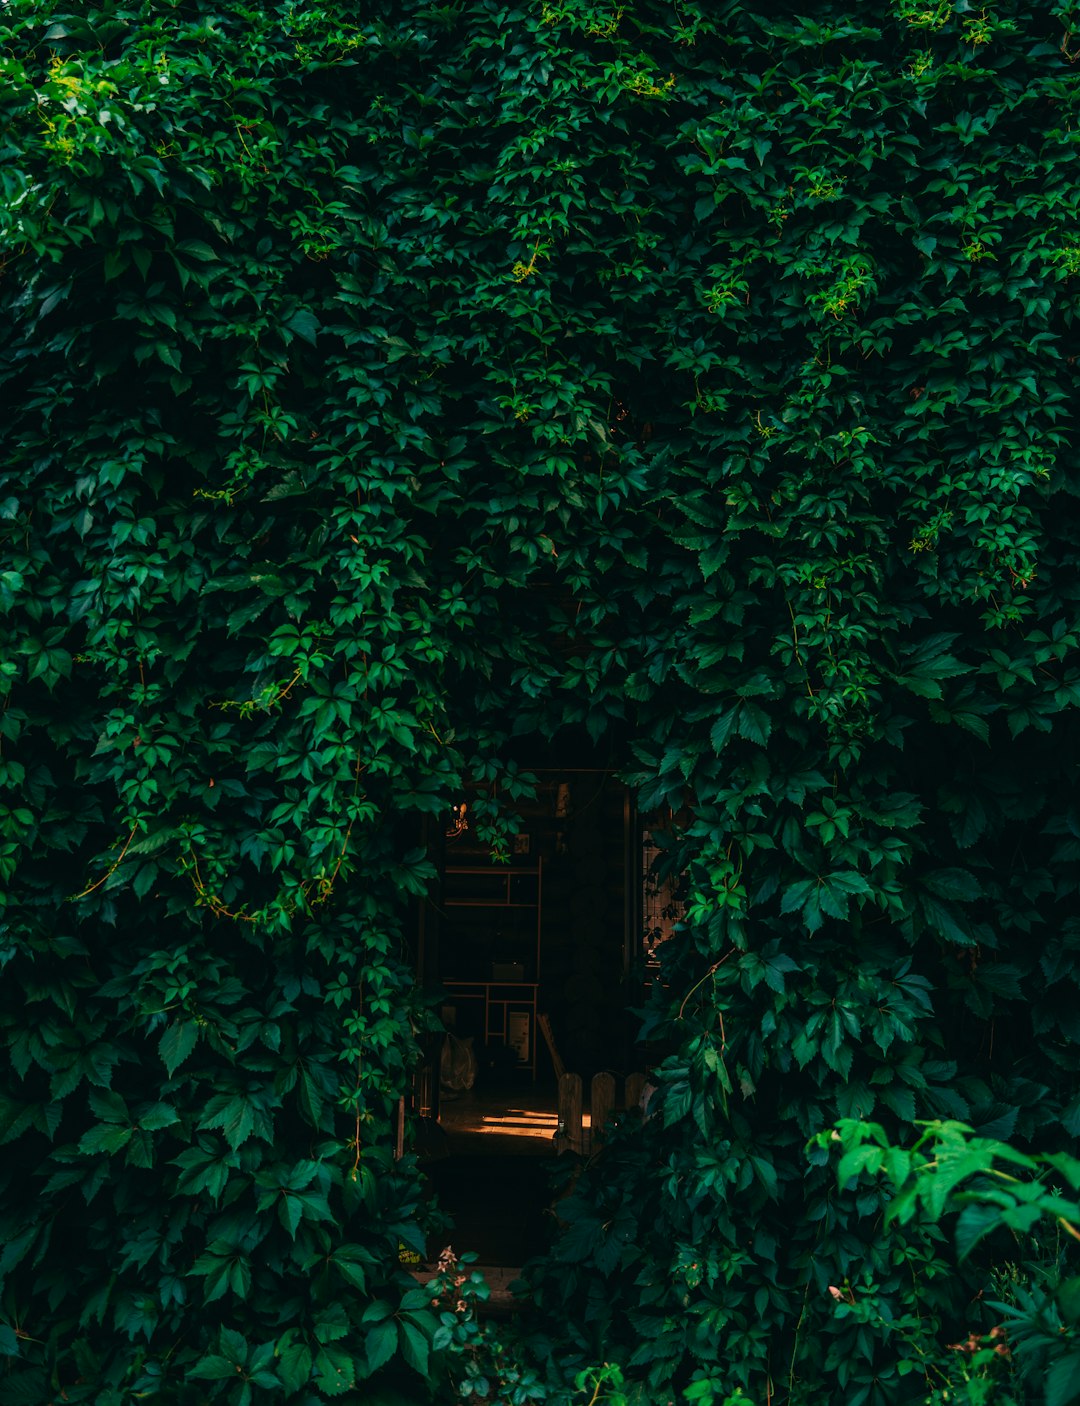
point(177, 1043)
point(380, 1344)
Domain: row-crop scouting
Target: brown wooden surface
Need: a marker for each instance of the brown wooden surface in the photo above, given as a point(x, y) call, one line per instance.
point(544, 1023)
point(569, 1138)
point(602, 1102)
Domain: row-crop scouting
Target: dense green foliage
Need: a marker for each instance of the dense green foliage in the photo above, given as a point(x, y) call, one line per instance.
point(993, 1187)
point(384, 382)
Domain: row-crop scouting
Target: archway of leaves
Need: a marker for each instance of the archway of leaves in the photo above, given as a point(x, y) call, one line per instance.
point(381, 384)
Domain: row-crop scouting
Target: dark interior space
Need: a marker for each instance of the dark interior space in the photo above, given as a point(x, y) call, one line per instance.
point(492, 1172)
point(529, 959)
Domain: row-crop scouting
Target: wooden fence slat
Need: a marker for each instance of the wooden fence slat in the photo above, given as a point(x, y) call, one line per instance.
point(603, 1106)
point(635, 1083)
point(568, 1136)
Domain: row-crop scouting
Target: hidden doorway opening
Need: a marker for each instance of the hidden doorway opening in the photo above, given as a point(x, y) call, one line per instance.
point(532, 965)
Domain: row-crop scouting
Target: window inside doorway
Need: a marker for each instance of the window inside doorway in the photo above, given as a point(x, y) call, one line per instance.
point(546, 933)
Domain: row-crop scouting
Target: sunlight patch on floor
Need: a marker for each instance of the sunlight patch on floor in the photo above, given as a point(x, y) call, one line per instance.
point(532, 1116)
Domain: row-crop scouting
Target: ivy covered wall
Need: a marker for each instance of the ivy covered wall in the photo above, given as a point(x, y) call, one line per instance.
point(384, 383)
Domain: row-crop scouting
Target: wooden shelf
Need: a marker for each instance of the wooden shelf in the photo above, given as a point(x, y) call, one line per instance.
point(489, 889)
point(501, 999)
point(484, 903)
point(499, 869)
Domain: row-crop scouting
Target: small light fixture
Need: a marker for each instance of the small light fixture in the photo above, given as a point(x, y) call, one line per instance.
point(459, 820)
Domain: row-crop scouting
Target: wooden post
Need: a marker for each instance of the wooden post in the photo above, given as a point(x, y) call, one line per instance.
point(603, 1106)
point(632, 1090)
point(568, 1133)
point(399, 1130)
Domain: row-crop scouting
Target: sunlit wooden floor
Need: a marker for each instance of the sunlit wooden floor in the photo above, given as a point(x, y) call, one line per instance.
point(489, 1161)
point(516, 1122)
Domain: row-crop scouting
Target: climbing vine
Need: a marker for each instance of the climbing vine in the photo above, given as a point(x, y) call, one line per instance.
point(383, 386)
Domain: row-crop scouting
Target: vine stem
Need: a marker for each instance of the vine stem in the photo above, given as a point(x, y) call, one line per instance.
point(798, 652)
point(111, 869)
point(711, 972)
point(325, 894)
point(795, 1344)
point(359, 1074)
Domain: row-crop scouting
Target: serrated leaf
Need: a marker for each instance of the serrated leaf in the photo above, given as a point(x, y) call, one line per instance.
point(304, 323)
point(334, 1371)
point(108, 1105)
point(380, 1344)
point(234, 1345)
point(867, 1158)
point(974, 1222)
point(177, 1044)
point(1068, 1299)
point(331, 1324)
point(953, 883)
point(722, 729)
point(143, 880)
point(753, 723)
point(415, 1348)
point(106, 1137)
point(944, 919)
point(1063, 1381)
point(26, 1388)
point(213, 1368)
point(294, 1364)
point(156, 1116)
point(353, 1262)
point(234, 1115)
